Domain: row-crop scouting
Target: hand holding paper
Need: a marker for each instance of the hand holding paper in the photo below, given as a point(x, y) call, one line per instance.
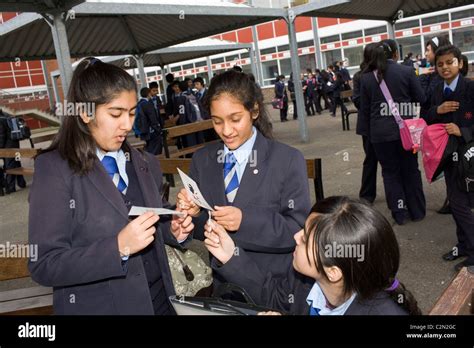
point(137, 211)
point(193, 191)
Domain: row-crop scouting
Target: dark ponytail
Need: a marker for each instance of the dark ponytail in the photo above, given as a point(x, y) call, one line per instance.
point(241, 87)
point(403, 297)
point(387, 49)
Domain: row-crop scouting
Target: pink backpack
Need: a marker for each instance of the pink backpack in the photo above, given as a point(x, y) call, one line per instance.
point(410, 130)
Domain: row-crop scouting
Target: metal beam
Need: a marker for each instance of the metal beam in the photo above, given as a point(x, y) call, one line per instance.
point(390, 30)
point(130, 35)
point(210, 73)
point(314, 6)
point(318, 55)
point(48, 84)
point(141, 70)
point(296, 69)
point(253, 65)
point(57, 99)
point(256, 49)
point(63, 55)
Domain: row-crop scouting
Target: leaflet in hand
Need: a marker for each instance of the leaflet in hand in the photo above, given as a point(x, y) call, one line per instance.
point(193, 191)
point(136, 211)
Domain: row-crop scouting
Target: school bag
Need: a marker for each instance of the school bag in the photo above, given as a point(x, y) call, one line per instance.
point(466, 167)
point(194, 107)
point(410, 130)
point(18, 128)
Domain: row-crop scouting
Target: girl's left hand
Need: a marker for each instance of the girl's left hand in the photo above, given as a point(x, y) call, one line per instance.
point(453, 129)
point(181, 227)
point(228, 217)
point(218, 242)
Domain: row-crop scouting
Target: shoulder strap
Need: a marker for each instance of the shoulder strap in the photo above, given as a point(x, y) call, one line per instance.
point(389, 99)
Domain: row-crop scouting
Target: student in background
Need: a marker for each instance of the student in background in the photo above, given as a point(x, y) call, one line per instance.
point(453, 105)
point(150, 123)
point(201, 92)
point(401, 176)
point(281, 93)
point(368, 187)
point(322, 280)
point(291, 88)
point(189, 112)
point(155, 98)
point(169, 108)
point(336, 89)
point(97, 258)
point(257, 186)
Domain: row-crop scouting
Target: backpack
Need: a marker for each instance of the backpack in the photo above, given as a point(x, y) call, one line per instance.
point(194, 107)
point(466, 167)
point(137, 124)
point(18, 128)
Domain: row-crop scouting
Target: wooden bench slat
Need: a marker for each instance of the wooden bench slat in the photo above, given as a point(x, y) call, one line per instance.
point(169, 165)
point(190, 149)
point(190, 128)
point(15, 152)
point(30, 303)
point(21, 171)
point(12, 295)
point(457, 299)
point(13, 268)
point(43, 138)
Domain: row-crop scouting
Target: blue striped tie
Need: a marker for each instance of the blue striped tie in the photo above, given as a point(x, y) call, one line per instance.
point(231, 180)
point(110, 165)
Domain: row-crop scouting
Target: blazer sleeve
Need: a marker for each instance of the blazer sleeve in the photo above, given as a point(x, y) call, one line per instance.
point(279, 225)
point(265, 289)
point(51, 228)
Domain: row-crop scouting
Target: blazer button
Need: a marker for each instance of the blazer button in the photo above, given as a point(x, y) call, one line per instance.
point(138, 274)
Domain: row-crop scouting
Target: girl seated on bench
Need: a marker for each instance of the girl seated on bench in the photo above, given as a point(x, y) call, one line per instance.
point(345, 263)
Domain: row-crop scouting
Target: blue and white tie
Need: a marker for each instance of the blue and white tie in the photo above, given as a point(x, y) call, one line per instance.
point(231, 180)
point(110, 165)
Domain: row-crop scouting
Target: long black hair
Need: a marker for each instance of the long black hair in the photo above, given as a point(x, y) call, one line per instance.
point(348, 223)
point(385, 50)
point(241, 87)
point(368, 49)
point(93, 83)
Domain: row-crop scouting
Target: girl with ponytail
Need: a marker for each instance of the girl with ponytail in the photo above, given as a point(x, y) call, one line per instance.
point(345, 263)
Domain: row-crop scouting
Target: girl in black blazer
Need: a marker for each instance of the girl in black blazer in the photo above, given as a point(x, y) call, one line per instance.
point(95, 258)
point(261, 197)
point(345, 263)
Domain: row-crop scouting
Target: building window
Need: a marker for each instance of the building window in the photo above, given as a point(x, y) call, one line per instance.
point(328, 39)
point(270, 70)
point(464, 39)
point(307, 43)
point(245, 55)
point(200, 64)
point(188, 66)
point(176, 68)
point(462, 14)
point(410, 44)
point(151, 73)
point(435, 19)
point(307, 61)
point(232, 58)
point(332, 56)
point(351, 35)
point(409, 24)
point(285, 66)
point(375, 31)
point(217, 60)
point(354, 55)
point(283, 48)
point(268, 50)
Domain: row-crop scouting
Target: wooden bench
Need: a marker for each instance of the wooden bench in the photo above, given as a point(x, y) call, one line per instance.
point(42, 138)
point(458, 298)
point(36, 300)
point(313, 168)
point(21, 153)
point(345, 115)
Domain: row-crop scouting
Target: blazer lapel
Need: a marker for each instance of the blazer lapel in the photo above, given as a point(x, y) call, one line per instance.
point(253, 176)
point(102, 182)
point(150, 192)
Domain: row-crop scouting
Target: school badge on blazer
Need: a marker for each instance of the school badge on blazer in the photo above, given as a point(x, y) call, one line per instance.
point(468, 115)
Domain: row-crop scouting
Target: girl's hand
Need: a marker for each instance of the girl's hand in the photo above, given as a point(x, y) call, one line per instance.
point(218, 242)
point(184, 203)
point(452, 129)
point(447, 106)
point(181, 227)
point(228, 217)
point(138, 234)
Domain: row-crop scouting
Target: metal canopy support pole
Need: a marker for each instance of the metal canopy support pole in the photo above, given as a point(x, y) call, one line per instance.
point(253, 66)
point(165, 83)
point(259, 76)
point(47, 81)
point(210, 73)
point(295, 68)
point(390, 30)
point(61, 47)
point(55, 89)
point(141, 70)
point(318, 55)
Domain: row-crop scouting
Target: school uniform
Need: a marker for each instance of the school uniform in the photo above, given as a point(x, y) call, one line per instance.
point(368, 187)
point(75, 221)
point(151, 127)
point(291, 88)
point(462, 91)
point(272, 193)
point(280, 92)
point(169, 107)
point(294, 293)
point(402, 178)
point(188, 112)
point(336, 88)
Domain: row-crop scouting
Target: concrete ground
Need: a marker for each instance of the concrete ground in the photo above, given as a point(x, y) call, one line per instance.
point(422, 243)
